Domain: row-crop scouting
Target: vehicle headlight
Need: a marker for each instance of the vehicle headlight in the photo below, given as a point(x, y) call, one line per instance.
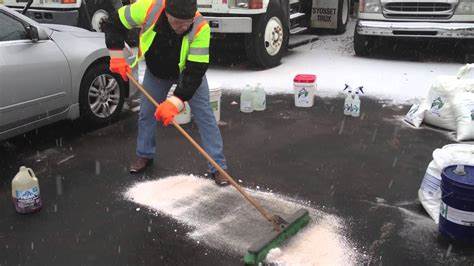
point(370, 6)
point(250, 4)
point(465, 7)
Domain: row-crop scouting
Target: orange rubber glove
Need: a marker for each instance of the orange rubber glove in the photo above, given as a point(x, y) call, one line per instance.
point(119, 66)
point(167, 111)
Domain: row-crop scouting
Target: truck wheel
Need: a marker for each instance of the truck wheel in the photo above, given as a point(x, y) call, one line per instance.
point(267, 44)
point(98, 10)
point(102, 95)
point(343, 14)
point(363, 45)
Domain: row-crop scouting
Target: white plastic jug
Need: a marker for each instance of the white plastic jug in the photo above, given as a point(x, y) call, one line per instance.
point(184, 116)
point(246, 100)
point(26, 191)
point(259, 98)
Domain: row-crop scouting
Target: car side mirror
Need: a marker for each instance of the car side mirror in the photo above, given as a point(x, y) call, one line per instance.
point(33, 33)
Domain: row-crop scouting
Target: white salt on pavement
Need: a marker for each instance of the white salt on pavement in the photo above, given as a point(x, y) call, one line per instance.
point(220, 218)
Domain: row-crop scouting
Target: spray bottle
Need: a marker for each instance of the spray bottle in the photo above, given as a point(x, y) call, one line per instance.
point(356, 102)
point(349, 101)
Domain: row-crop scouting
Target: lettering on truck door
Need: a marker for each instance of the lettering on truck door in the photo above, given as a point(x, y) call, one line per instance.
point(324, 14)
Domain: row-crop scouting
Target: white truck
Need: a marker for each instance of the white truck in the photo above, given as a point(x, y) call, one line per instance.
point(263, 27)
point(394, 19)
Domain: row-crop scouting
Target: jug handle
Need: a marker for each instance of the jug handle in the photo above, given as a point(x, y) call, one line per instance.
point(32, 174)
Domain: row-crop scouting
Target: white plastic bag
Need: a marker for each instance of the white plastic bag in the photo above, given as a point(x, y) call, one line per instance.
point(463, 105)
point(440, 113)
point(429, 193)
point(416, 114)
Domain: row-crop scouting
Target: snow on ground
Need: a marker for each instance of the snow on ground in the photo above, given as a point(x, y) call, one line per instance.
point(222, 219)
point(332, 59)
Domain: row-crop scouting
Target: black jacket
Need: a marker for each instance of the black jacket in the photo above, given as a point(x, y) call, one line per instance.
point(162, 57)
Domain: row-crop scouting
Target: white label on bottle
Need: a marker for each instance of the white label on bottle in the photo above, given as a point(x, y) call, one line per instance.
point(456, 216)
point(27, 198)
point(246, 104)
point(303, 96)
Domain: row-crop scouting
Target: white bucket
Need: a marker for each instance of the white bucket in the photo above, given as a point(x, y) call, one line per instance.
point(305, 89)
point(215, 100)
point(185, 116)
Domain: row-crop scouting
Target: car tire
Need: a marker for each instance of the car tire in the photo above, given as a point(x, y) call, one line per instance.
point(363, 45)
point(101, 95)
point(343, 15)
point(267, 44)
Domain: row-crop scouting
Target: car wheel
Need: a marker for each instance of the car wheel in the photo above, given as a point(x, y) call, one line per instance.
point(102, 95)
point(343, 14)
point(363, 45)
point(267, 44)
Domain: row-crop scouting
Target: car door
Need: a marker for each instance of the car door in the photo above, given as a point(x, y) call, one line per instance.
point(34, 76)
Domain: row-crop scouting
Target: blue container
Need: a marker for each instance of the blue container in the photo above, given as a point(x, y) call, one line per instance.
point(456, 219)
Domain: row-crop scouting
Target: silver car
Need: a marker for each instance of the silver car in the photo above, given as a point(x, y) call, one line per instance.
point(53, 72)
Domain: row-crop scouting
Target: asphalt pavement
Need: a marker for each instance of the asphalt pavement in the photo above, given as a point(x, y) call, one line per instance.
point(365, 170)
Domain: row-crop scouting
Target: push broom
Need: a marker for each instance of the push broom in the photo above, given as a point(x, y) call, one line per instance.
point(282, 229)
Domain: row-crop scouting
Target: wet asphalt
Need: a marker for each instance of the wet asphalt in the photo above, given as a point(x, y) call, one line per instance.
point(365, 170)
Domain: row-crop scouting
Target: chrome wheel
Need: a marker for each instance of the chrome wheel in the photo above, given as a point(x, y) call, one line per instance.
point(104, 96)
point(273, 36)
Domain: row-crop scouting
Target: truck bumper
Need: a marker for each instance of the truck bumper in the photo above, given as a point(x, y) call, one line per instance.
point(63, 17)
point(416, 29)
point(230, 24)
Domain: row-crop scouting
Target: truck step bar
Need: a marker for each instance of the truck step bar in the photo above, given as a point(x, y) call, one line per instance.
point(297, 15)
point(298, 30)
point(301, 39)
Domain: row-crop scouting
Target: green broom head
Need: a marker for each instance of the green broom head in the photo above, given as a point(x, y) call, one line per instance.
point(257, 252)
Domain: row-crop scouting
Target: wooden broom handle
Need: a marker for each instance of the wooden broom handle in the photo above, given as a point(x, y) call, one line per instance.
point(252, 201)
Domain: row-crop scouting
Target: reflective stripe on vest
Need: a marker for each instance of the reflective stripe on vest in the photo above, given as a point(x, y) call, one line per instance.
point(147, 33)
point(153, 14)
point(199, 22)
point(128, 17)
point(199, 51)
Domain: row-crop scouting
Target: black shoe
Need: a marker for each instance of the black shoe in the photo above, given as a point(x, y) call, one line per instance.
point(219, 179)
point(140, 165)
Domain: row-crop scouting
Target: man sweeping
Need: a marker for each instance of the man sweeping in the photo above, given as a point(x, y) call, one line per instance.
point(174, 41)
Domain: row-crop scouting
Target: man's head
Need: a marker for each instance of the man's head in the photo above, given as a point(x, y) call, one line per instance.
point(181, 14)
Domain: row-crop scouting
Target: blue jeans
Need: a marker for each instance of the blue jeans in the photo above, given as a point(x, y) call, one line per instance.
point(211, 139)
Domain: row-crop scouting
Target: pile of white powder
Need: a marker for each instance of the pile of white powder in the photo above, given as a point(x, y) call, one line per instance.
point(222, 219)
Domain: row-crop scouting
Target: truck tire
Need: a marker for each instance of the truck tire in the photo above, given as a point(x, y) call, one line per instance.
point(98, 10)
point(102, 95)
point(363, 45)
point(267, 44)
point(343, 15)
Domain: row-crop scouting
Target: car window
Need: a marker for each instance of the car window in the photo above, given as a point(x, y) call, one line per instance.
point(11, 29)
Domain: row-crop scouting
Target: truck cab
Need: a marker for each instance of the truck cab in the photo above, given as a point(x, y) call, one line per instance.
point(412, 19)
